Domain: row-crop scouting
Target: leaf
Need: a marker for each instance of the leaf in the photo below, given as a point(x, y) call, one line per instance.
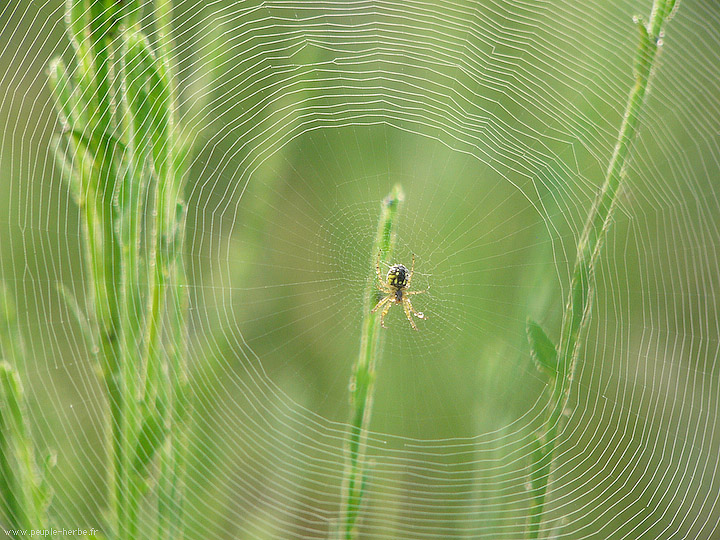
point(150, 438)
point(76, 18)
point(64, 161)
point(645, 41)
point(542, 349)
point(80, 316)
point(184, 146)
point(63, 91)
point(45, 492)
point(150, 100)
point(106, 152)
point(13, 399)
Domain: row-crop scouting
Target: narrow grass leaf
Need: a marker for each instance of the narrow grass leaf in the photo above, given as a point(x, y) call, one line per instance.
point(152, 434)
point(150, 99)
point(80, 316)
point(542, 349)
point(67, 99)
point(76, 20)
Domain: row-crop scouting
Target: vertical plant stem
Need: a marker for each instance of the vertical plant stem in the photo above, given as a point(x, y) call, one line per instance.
point(24, 495)
point(163, 22)
point(90, 35)
point(161, 392)
point(168, 294)
point(22, 477)
point(172, 464)
point(363, 379)
point(130, 204)
point(577, 312)
point(119, 112)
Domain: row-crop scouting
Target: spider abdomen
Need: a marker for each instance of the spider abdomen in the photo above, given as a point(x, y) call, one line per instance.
point(397, 277)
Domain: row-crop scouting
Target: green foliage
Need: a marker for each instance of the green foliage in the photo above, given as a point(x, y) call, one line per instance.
point(362, 384)
point(542, 349)
point(152, 433)
point(132, 144)
point(579, 304)
point(119, 142)
point(24, 492)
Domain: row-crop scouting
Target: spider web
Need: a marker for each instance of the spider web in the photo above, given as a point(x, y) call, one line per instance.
point(498, 119)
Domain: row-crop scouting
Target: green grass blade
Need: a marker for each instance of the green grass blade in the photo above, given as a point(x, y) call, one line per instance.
point(542, 349)
point(363, 379)
point(24, 494)
point(578, 308)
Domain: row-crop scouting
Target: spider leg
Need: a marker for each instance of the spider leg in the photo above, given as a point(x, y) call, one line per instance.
point(406, 293)
point(418, 314)
point(385, 312)
point(380, 303)
point(410, 310)
point(407, 306)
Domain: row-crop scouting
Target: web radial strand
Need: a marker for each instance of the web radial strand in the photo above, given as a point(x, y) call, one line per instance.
point(498, 119)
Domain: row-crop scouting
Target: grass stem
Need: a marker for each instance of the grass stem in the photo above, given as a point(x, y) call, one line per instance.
point(24, 493)
point(578, 308)
point(118, 109)
point(363, 379)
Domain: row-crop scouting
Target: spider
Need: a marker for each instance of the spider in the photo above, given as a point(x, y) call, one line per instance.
point(396, 285)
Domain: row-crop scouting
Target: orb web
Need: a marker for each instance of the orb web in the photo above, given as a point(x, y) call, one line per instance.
point(498, 119)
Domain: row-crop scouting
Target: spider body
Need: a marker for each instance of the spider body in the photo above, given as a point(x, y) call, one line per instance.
point(397, 276)
point(395, 287)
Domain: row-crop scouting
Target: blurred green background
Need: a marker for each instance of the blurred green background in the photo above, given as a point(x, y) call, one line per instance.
point(498, 119)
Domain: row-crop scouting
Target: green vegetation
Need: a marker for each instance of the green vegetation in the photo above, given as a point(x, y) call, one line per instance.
point(124, 161)
point(24, 493)
point(559, 364)
point(282, 218)
point(363, 379)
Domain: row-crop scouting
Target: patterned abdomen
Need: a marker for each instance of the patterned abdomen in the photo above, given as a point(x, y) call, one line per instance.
point(397, 276)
